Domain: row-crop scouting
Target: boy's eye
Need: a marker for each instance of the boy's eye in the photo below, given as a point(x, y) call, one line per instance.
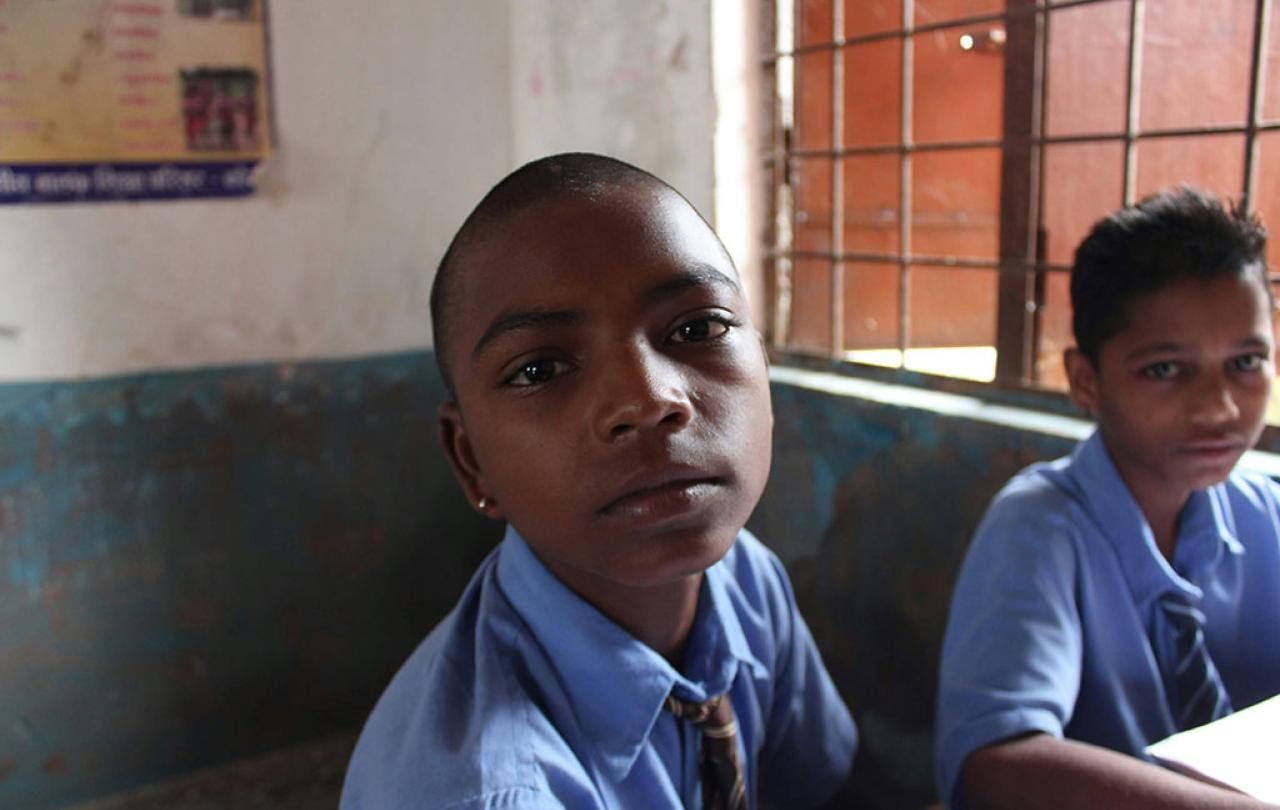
point(537, 372)
point(1248, 362)
point(1161, 371)
point(700, 329)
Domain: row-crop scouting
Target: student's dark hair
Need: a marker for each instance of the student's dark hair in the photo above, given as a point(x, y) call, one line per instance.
point(542, 180)
point(1183, 233)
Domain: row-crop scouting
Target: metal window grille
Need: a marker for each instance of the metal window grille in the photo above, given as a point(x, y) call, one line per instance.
point(1020, 266)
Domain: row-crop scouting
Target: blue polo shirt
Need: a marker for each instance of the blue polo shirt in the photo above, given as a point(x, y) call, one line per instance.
point(526, 696)
point(1056, 609)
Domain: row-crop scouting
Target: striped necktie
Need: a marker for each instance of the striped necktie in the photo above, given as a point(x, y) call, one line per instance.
point(722, 782)
point(1197, 695)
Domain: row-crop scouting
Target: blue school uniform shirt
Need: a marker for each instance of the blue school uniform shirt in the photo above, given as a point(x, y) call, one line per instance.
point(1056, 608)
point(526, 696)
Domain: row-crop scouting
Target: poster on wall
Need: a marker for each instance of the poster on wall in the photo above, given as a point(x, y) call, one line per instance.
point(132, 99)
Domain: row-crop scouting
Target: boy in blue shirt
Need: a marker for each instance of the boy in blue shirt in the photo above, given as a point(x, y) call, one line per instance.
point(1131, 590)
point(628, 644)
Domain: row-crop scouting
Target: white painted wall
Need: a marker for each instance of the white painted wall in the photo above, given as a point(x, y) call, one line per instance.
point(393, 119)
point(625, 78)
point(740, 141)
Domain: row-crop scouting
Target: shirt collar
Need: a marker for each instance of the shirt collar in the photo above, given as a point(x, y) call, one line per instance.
point(616, 685)
point(1205, 531)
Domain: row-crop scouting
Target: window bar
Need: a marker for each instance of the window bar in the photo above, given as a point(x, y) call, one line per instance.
point(867, 257)
point(971, 21)
point(897, 148)
point(1041, 236)
point(837, 182)
point(786, 18)
point(1019, 195)
point(996, 143)
point(778, 287)
point(1131, 101)
point(1257, 80)
point(1153, 134)
point(904, 184)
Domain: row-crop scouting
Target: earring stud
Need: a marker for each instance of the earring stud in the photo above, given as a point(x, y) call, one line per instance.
point(482, 504)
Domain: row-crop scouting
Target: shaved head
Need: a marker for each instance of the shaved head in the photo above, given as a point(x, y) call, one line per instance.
point(547, 179)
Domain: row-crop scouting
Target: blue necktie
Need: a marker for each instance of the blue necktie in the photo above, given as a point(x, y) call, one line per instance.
point(1196, 693)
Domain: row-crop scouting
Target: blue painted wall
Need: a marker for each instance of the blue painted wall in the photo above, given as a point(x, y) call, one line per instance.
point(201, 566)
point(871, 507)
point(205, 565)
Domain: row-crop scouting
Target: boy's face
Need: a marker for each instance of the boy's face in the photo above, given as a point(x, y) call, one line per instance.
point(1181, 392)
point(612, 395)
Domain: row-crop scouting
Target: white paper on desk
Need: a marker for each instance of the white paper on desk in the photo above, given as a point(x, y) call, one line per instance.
point(1238, 751)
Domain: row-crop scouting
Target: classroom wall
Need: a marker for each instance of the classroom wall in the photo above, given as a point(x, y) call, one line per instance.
point(627, 79)
point(207, 564)
point(203, 565)
point(377, 163)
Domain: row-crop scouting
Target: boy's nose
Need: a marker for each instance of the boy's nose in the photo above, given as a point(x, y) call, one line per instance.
point(1214, 402)
point(640, 391)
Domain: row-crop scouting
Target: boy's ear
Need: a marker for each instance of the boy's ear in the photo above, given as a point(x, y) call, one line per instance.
point(1083, 379)
point(462, 459)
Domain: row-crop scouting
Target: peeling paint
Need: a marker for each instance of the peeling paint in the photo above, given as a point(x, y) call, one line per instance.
point(870, 505)
point(201, 566)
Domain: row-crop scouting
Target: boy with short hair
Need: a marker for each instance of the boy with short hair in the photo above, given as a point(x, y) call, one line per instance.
point(1131, 590)
point(628, 644)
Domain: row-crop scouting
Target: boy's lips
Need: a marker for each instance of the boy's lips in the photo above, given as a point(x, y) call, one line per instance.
point(1216, 447)
point(661, 494)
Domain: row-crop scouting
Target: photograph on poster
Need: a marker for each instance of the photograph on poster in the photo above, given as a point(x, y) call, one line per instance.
point(218, 9)
point(220, 109)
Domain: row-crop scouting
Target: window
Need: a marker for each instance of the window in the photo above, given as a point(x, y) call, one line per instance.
point(935, 162)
